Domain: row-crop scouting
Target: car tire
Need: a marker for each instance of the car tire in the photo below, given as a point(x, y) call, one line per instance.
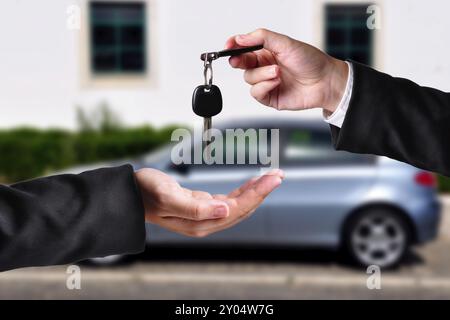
point(377, 236)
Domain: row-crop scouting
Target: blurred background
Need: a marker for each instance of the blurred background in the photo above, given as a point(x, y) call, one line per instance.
point(93, 83)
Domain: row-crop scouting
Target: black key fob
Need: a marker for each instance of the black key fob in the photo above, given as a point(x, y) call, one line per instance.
point(207, 101)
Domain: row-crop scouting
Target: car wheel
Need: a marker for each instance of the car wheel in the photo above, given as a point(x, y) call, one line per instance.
point(107, 261)
point(377, 237)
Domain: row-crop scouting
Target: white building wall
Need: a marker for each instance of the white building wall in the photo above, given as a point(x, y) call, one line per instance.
point(41, 65)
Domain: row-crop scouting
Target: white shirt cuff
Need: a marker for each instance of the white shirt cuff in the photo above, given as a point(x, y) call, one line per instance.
point(338, 116)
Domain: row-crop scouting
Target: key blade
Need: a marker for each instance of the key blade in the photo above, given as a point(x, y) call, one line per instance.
point(207, 138)
point(207, 123)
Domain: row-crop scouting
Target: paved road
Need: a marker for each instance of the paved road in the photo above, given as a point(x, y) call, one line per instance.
point(225, 274)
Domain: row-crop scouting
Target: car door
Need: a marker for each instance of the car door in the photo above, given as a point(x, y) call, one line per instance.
point(321, 186)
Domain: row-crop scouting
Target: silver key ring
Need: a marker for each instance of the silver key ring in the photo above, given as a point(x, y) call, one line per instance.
point(208, 73)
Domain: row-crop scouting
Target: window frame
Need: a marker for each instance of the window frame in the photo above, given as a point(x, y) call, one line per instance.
point(378, 35)
point(346, 27)
point(117, 48)
point(90, 80)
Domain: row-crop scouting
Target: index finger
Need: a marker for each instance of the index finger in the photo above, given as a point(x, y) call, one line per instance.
point(243, 61)
point(196, 207)
point(253, 196)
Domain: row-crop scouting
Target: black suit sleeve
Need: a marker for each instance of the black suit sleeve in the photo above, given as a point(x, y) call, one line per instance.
point(396, 118)
point(67, 218)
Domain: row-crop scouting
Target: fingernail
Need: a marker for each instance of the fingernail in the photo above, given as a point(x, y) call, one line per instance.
point(276, 172)
point(220, 212)
point(273, 172)
point(233, 61)
point(242, 37)
point(279, 181)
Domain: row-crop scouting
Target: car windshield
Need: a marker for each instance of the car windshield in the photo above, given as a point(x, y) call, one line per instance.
point(314, 147)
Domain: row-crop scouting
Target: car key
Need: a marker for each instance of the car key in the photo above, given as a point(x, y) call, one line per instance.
point(214, 96)
point(207, 98)
point(207, 102)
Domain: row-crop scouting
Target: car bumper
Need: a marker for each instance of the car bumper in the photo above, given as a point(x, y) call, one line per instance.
point(426, 218)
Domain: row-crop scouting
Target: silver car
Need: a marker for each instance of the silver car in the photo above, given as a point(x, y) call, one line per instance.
point(373, 208)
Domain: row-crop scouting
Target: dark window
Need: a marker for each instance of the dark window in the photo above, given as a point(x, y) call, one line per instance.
point(305, 147)
point(117, 37)
point(346, 32)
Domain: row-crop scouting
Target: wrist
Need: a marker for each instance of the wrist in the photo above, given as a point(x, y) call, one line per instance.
point(139, 177)
point(336, 81)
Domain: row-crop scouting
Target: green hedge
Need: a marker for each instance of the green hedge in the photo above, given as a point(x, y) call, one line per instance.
point(444, 184)
point(27, 152)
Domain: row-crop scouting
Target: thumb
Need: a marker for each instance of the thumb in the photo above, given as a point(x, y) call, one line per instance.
point(272, 41)
point(199, 209)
